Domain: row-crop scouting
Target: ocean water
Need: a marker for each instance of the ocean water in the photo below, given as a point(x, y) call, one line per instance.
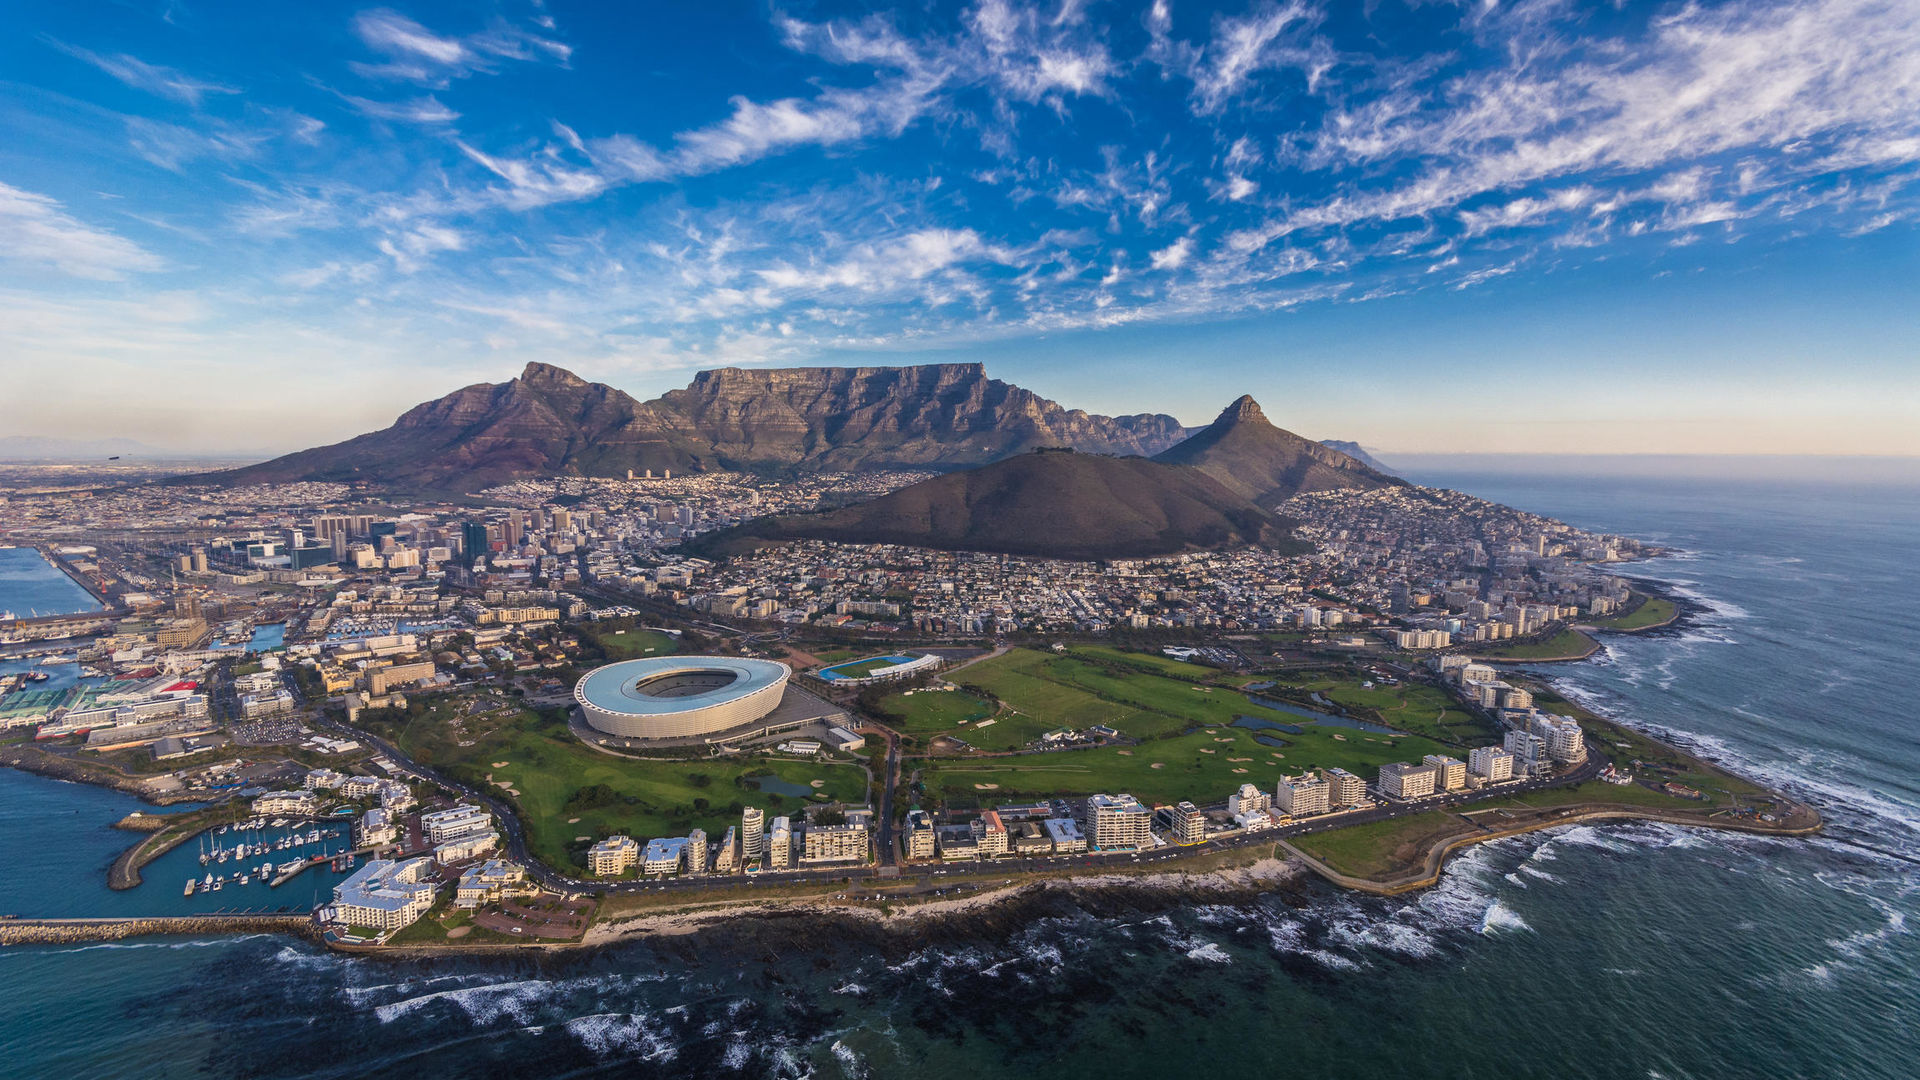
point(1637, 950)
point(30, 585)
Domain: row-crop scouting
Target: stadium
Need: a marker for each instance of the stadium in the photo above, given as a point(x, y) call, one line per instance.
point(678, 697)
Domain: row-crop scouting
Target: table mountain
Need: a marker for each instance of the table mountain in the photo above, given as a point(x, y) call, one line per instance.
point(551, 422)
point(1048, 504)
point(1258, 461)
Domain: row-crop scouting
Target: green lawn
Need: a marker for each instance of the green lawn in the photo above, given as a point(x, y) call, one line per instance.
point(644, 799)
point(1188, 770)
point(1142, 695)
point(1382, 849)
point(1565, 643)
point(631, 644)
point(1652, 612)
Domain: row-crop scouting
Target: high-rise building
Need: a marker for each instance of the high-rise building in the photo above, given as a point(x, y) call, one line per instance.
point(473, 541)
point(1344, 789)
point(1404, 781)
point(697, 851)
point(1450, 773)
point(1189, 824)
point(1299, 796)
point(728, 860)
point(780, 844)
point(1490, 763)
point(919, 835)
point(753, 824)
point(1118, 823)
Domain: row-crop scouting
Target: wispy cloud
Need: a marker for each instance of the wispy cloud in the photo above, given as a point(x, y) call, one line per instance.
point(37, 230)
point(416, 54)
point(150, 78)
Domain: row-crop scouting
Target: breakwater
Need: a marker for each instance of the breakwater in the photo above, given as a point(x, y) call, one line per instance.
point(65, 931)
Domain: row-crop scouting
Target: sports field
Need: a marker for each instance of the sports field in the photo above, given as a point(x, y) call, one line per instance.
point(632, 644)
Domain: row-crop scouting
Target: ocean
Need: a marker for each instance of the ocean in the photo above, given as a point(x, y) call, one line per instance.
point(1637, 950)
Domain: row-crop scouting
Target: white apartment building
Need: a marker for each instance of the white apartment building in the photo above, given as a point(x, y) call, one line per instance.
point(1118, 823)
point(441, 826)
point(838, 843)
point(1248, 800)
point(384, 895)
point(780, 844)
point(613, 856)
point(1344, 789)
point(1404, 781)
point(1302, 795)
point(1490, 763)
point(1450, 773)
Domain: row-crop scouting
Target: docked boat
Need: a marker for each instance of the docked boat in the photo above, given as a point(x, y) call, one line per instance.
point(190, 885)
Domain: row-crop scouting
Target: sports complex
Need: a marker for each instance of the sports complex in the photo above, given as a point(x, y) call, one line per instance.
point(879, 669)
point(678, 697)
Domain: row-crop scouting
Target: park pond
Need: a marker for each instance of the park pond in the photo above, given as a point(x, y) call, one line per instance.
point(1311, 716)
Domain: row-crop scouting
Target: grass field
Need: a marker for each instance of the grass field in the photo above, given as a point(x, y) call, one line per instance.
point(1200, 766)
point(1382, 849)
point(632, 644)
point(1652, 612)
point(1565, 643)
point(559, 779)
point(1142, 695)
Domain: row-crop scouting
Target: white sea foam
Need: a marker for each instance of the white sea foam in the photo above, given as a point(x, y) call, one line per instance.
point(482, 1004)
point(625, 1034)
point(849, 1060)
point(852, 988)
point(1501, 917)
point(737, 1054)
point(1210, 953)
point(195, 943)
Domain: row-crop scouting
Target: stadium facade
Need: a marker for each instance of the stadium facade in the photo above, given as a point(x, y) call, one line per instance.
point(679, 697)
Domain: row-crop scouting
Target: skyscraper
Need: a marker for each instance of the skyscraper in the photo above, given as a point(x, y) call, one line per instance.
point(753, 827)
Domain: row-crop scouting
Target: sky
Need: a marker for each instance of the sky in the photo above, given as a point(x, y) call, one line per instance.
point(1482, 227)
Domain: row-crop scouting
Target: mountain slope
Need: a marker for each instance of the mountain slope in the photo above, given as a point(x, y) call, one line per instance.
point(551, 422)
point(1051, 504)
point(1258, 461)
point(1358, 453)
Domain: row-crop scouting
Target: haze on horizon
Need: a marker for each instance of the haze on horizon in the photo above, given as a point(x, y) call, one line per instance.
point(1661, 228)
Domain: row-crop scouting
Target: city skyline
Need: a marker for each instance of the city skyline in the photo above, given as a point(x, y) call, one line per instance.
point(1683, 229)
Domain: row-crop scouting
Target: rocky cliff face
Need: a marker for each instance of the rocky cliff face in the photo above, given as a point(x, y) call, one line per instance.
point(934, 414)
point(550, 422)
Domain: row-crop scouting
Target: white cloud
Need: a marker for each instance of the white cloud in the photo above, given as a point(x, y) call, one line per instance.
point(1174, 255)
point(35, 229)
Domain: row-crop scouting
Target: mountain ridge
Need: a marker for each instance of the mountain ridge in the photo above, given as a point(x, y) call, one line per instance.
point(549, 421)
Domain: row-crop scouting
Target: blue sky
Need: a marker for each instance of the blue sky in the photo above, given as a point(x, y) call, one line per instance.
point(1428, 226)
